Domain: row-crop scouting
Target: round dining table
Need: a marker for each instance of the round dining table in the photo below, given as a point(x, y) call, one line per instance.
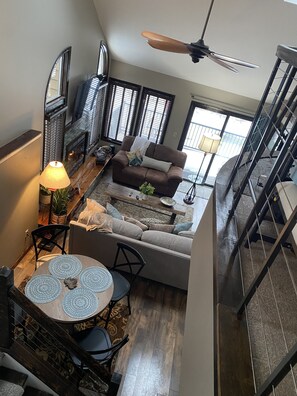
point(90, 302)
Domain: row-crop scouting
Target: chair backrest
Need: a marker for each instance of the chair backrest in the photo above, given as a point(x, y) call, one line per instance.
point(109, 353)
point(46, 237)
point(129, 260)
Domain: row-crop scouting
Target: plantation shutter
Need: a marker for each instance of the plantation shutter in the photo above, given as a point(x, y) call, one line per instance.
point(54, 125)
point(121, 108)
point(154, 113)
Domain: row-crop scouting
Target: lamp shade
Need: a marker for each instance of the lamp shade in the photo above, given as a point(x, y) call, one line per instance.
point(54, 176)
point(209, 143)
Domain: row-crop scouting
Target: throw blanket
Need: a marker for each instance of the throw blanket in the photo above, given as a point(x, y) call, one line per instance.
point(140, 144)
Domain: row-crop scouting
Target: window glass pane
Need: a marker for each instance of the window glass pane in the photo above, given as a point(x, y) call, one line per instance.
point(55, 84)
point(233, 138)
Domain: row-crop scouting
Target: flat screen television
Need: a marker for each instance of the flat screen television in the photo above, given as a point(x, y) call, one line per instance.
point(86, 97)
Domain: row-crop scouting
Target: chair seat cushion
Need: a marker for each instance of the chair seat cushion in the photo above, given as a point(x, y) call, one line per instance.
point(93, 340)
point(121, 286)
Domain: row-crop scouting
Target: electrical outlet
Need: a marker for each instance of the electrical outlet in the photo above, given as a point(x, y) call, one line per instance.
point(27, 233)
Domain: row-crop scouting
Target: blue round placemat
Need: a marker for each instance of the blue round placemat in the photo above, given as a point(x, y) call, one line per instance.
point(80, 303)
point(65, 266)
point(96, 279)
point(43, 288)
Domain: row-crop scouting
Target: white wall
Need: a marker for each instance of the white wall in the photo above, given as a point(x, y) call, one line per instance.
point(197, 375)
point(182, 90)
point(32, 34)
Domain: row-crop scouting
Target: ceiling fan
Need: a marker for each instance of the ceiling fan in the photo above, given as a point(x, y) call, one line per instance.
point(197, 50)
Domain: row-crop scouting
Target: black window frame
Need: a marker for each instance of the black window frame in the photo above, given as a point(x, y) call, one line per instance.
point(138, 111)
point(132, 112)
point(143, 106)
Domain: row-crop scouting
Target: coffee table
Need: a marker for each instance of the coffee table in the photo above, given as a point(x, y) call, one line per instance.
point(153, 203)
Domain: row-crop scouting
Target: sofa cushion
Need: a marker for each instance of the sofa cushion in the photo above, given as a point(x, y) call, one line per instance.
point(124, 228)
point(161, 152)
point(162, 227)
point(169, 241)
point(187, 234)
point(152, 163)
point(113, 212)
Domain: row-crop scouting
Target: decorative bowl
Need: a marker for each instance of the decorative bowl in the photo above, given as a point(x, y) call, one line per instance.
point(167, 201)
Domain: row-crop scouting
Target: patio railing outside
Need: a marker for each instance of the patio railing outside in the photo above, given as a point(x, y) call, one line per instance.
point(230, 146)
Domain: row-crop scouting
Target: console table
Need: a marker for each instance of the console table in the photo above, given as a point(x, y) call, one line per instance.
point(83, 182)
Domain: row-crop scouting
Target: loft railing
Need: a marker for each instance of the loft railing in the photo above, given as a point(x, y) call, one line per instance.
point(43, 347)
point(265, 248)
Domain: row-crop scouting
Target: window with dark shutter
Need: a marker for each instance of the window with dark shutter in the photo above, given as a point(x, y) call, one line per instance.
point(121, 109)
point(154, 113)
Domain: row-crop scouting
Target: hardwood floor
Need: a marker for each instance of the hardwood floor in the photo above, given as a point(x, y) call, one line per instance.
point(150, 363)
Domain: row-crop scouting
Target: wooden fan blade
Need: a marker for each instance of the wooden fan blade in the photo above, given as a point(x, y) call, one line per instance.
point(234, 60)
point(178, 47)
point(160, 37)
point(221, 63)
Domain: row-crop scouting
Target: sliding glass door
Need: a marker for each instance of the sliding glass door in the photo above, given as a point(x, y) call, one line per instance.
point(232, 128)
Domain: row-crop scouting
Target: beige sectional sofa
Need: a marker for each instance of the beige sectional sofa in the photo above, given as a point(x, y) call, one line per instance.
point(167, 255)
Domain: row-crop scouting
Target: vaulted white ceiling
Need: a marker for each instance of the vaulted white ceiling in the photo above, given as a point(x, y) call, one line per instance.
point(244, 29)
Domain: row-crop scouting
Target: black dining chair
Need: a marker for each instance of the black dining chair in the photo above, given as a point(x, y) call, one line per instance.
point(97, 342)
point(127, 266)
point(47, 237)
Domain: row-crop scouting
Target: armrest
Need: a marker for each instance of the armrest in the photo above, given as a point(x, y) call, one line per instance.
point(120, 159)
point(175, 173)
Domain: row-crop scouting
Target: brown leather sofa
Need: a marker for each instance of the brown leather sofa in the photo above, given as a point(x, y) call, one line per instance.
point(165, 183)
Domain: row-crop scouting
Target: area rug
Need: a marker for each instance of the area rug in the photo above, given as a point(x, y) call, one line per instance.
point(49, 350)
point(142, 214)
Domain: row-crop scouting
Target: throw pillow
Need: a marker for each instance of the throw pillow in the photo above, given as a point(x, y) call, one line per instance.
point(126, 229)
point(113, 212)
point(162, 227)
point(152, 163)
point(182, 227)
point(95, 221)
point(136, 222)
point(95, 206)
point(134, 158)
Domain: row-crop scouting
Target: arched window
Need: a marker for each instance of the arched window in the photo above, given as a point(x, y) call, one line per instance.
point(103, 61)
point(55, 106)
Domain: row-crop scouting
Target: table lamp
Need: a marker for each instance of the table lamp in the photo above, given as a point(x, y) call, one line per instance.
point(209, 143)
point(54, 177)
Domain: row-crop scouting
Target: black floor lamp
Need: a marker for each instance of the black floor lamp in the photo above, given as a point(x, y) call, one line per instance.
point(208, 144)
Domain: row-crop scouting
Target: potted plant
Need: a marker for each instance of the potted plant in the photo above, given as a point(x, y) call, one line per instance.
point(44, 195)
point(59, 206)
point(146, 189)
